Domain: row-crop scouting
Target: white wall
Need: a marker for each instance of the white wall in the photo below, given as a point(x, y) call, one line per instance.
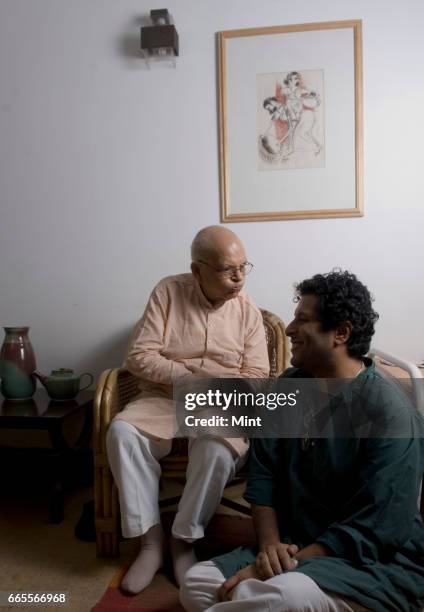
point(107, 170)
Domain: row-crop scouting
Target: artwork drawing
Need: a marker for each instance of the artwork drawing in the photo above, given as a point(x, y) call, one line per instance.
point(290, 120)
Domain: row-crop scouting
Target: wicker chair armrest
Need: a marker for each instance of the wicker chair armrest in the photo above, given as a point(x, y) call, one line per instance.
point(97, 411)
point(277, 341)
point(120, 388)
point(115, 389)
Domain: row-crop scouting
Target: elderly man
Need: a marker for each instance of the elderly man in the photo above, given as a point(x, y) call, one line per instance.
point(337, 523)
point(195, 325)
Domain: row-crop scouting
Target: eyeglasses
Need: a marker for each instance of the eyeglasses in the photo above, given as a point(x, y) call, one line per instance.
point(244, 269)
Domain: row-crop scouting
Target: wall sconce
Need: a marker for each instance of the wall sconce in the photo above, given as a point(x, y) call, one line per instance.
point(160, 40)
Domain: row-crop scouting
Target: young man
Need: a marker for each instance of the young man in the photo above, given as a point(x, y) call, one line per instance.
point(337, 522)
point(195, 325)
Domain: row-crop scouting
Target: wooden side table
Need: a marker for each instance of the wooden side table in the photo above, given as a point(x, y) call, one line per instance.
point(42, 413)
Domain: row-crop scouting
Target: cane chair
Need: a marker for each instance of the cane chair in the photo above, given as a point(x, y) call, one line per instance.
point(115, 389)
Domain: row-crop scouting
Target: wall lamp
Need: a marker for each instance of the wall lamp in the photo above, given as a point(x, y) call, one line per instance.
point(159, 40)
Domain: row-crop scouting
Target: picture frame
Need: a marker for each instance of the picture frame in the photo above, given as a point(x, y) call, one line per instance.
point(290, 122)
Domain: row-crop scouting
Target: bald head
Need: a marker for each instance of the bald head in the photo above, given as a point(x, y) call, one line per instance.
point(214, 243)
point(218, 257)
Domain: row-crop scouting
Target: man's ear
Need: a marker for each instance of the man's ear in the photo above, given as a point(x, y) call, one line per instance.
point(195, 270)
point(343, 332)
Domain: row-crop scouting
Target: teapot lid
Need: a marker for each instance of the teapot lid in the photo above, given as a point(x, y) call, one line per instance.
point(62, 372)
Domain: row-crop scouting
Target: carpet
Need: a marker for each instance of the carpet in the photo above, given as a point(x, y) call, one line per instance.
point(224, 533)
point(160, 596)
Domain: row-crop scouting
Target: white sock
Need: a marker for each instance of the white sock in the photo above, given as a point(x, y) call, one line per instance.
point(183, 558)
point(149, 560)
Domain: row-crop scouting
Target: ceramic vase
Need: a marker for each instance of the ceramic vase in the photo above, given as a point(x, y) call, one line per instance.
point(17, 364)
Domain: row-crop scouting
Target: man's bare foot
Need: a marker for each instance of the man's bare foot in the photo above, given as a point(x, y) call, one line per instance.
point(149, 560)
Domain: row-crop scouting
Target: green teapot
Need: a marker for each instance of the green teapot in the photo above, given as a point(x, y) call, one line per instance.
point(63, 384)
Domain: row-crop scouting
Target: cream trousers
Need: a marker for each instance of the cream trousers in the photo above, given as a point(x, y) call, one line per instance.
point(134, 461)
point(289, 592)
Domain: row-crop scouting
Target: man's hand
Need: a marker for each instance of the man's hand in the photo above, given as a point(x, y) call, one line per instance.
point(226, 591)
point(276, 559)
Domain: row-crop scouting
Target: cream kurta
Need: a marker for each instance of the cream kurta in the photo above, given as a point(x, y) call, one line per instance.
point(180, 337)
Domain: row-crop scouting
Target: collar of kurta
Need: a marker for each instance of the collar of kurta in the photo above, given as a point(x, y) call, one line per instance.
point(356, 387)
point(367, 371)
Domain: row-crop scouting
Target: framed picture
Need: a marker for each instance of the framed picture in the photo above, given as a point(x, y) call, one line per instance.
point(290, 111)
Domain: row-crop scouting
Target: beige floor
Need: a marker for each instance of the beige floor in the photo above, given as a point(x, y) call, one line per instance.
point(38, 556)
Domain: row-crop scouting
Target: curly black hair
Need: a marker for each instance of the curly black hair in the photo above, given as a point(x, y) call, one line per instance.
point(342, 297)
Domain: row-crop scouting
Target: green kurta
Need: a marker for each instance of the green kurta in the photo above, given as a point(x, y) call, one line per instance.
point(357, 496)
